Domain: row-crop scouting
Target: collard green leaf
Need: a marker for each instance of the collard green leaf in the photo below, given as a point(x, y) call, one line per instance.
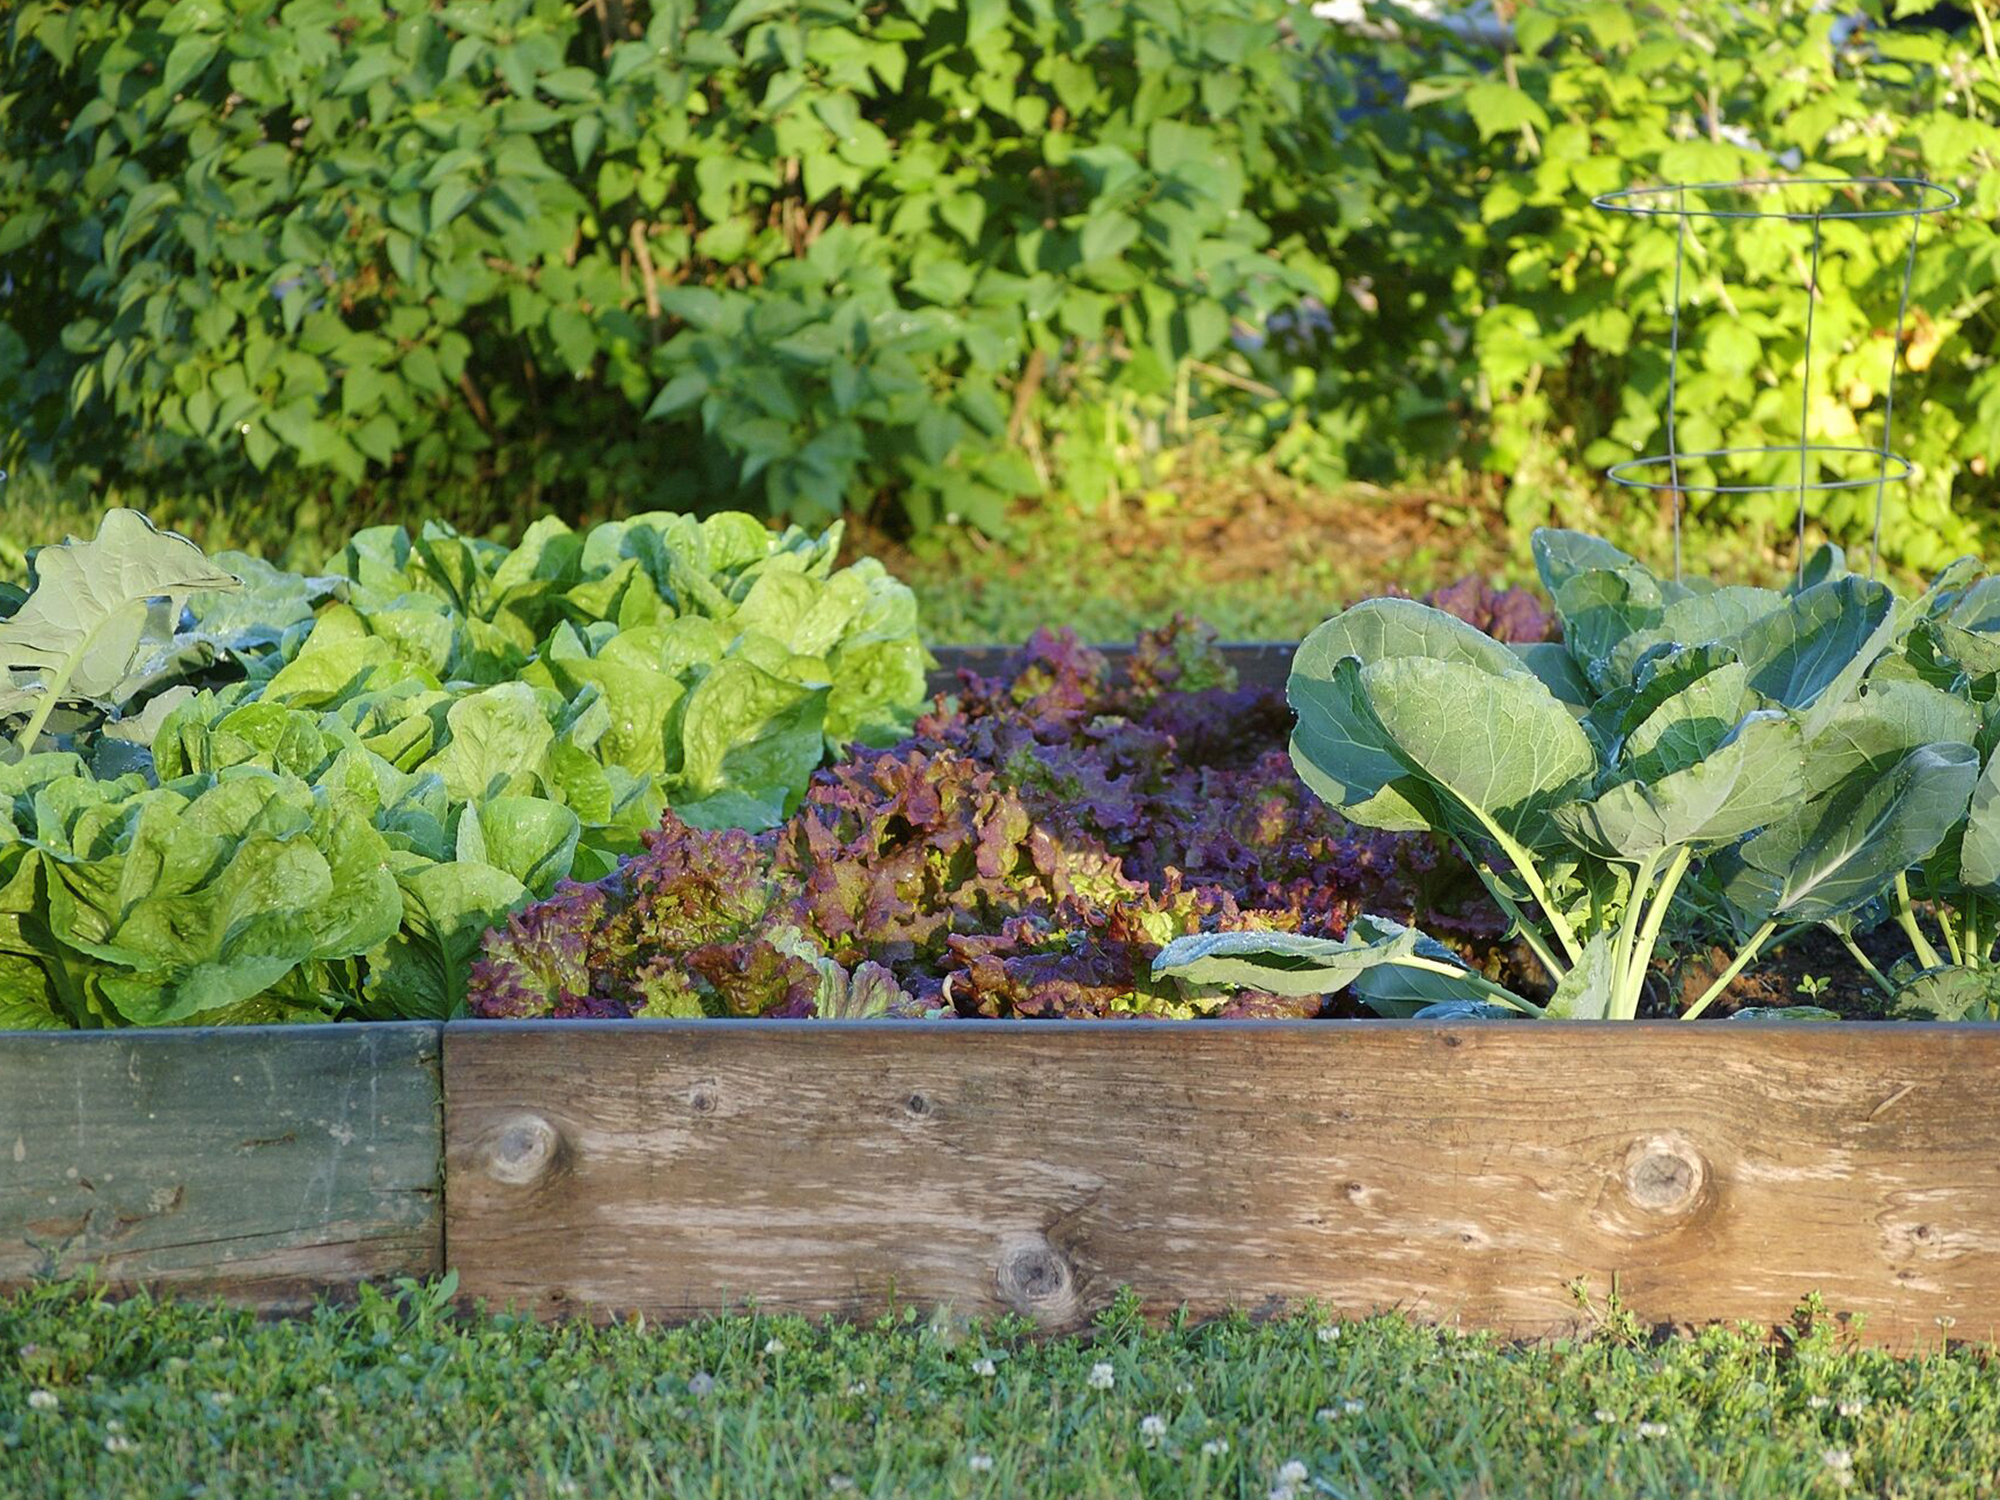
point(1699, 620)
point(79, 632)
point(1493, 749)
point(1585, 992)
point(1560, 555)
point(1752, 778)
point(1879, 726)
point(1951, 993)
point(1812, 655)
point(1559, 673)
point(1979, 855)
point(1600, 611)
point(1282, 963)
point(1835, 854)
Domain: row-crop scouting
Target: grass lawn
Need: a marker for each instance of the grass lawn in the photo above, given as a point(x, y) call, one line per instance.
point(394, 1397)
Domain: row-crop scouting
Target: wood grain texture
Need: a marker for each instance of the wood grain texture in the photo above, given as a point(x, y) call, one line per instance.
point(1257, 663)
point(263, 1164)
point(1467, 1174)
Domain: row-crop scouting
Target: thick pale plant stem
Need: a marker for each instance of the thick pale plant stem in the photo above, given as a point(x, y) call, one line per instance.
point(1632, 984)
point(1558, 924)
point(1906, 918)
point(1867, 965)
point(1749, 952)
point(1950, 937)
point(51, 695)
point(1628, 929)
point(1553, 966)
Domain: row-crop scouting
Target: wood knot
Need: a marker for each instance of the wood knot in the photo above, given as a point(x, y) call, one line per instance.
point(526, 1149)
point(703, 1099)
point(1034, 1278)
point(1664, 1174)
point(918, 1106)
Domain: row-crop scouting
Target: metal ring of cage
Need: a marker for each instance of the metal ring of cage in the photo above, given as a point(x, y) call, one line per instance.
point(1926, 197)
point(1624, 473)
point(1631, 200)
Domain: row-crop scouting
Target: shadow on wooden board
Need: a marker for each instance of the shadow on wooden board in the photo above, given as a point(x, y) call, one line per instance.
point(1469, 1175)
point(262, 1164)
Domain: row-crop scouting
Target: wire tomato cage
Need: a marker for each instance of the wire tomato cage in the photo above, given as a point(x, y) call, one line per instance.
point(1814, 201)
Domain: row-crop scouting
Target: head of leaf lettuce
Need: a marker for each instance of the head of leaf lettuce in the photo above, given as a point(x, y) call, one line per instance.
point(236, 793)
point(1730, 763)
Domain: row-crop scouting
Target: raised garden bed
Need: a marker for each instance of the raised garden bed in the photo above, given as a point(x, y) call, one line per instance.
point(1473, 1174)
point(1070, 841)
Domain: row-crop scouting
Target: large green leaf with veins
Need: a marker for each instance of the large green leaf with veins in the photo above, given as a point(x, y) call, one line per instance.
point(1497, 751)
point(1751, 777)
point(1837, 853)
point(79, 632)
point(1812, 654)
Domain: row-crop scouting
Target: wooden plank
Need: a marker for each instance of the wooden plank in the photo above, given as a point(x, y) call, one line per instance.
point(264, 1164)
point(1257, 663)
point(1469, 1175)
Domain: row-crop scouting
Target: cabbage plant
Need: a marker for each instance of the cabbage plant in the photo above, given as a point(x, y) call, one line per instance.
point(1751, 760)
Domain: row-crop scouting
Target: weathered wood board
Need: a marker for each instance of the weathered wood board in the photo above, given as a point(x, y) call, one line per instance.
point(260, 1163)
point(1467, 1174)
point(1257, 663)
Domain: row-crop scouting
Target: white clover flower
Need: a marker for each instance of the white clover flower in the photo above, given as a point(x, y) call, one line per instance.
point(840, 1484)
point(1326, 1333)
point(1152, 1429)
point(1215, 1447)
point(324, 1392)
point(1102, 1377)
point(1352, 1407)
point(1605, 1414)
point(700, 1383)
point(119, 1443)
point(857, 1387)
point(980, 1463)
point(223, 1398)
point(1852, 1407)
point(983, 1367)
point(1184, 1387)
point(40, 1400)
point(114, 1425)
point(1652, 1429)
point(775, 1346)
point(1817, 1403)
point(1838, 1458)
point(1327, 1414)
point(1293, 1472)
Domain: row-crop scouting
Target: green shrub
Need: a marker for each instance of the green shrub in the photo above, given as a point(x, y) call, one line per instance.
point(818, 242)
point(801, 255)
point(1570, 316)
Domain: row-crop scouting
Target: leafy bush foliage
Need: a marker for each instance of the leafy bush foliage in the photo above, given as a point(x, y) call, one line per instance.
point(1026, 853)
point(1572, 330)
point(1689, 757)
point(819, 241)
point(817, 252)
point(251, 795)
